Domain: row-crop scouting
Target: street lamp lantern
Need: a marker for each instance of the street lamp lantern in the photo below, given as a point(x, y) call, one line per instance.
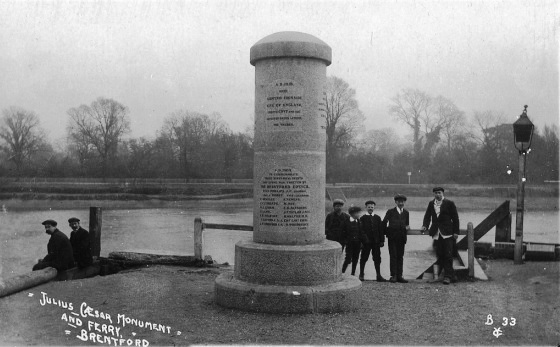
point(522, 136)
point(523, 132)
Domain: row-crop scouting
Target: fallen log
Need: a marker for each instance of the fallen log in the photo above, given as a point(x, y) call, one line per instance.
point(133, 258)
point(28, 280)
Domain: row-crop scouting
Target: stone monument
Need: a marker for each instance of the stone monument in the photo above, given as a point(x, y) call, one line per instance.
point(289, 266)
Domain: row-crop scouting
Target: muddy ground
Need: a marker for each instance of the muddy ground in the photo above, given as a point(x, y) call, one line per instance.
point(181, 300)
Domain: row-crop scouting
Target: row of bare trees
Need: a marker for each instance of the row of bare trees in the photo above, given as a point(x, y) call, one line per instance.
point(189, 145)
point(444, 146)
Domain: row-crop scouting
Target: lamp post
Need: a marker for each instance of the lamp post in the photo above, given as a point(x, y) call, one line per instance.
point(523, 135)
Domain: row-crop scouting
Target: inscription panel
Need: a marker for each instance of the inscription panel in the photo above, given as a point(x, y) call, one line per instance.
point(284, 106)
point(322, 110)
point(285, 199)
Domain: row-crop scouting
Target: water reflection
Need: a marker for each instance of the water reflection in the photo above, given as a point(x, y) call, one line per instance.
point(170, 231)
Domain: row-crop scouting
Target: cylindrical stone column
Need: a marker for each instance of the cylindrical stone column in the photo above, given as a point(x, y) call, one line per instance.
point(289, 266)
point(290, 137)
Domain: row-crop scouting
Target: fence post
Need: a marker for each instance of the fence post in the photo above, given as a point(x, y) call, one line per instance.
point(95, 223)
point(198, 238)
point(470, 236)
point(503, 228)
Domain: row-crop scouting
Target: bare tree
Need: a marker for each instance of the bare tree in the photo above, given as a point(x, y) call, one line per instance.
point(447, 116)
point(344, 118)
point(190, 133)
point(384, 141)
point(412, 107)
point(484, 123)
point(99, 127)
point(21, 134)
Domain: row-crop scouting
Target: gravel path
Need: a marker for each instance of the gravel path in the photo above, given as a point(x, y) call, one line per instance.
point(180, 303)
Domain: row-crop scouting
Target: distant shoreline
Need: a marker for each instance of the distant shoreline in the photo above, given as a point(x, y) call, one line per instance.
point(414, 203)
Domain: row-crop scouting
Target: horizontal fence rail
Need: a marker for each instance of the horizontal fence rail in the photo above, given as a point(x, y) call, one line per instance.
point(200, 226)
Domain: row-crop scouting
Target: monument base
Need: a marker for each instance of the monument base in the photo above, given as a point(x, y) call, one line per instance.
point(339, 296)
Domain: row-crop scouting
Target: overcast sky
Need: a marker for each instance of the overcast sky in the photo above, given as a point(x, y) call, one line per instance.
point(159, 56)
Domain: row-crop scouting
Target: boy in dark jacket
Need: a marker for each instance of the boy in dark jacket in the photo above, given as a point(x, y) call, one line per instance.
point(335, 222)
point(353, 236)
point(372, 228)
point(396, 225)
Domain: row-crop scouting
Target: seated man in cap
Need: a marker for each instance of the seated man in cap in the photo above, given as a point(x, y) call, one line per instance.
point(335, 222)
point(396, 225)
point(81, 245)
point(354, 236)
point(444, 229)
point(59, 249)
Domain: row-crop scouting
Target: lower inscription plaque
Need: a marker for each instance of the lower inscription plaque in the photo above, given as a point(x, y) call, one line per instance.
point(284, 199)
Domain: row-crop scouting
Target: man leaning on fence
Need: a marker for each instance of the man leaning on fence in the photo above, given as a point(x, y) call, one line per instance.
point(444, 229)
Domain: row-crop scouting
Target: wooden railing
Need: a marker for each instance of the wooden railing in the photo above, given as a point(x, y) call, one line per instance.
point(499, 218)
point(200, 226)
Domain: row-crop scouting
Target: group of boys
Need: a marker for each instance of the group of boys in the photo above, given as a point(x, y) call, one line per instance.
point(362, 235)
point(64, 253)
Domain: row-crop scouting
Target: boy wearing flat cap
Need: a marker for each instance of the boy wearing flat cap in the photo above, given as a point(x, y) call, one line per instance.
point(81, 244)
point(396, 225)
point(335, 222)
point(371, 225)
point(354, 237)
point(59, 249)
point(444, 229)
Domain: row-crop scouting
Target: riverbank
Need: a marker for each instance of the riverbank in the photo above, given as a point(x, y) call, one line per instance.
point(173, 190)
point(180, 301)
point(414, 203)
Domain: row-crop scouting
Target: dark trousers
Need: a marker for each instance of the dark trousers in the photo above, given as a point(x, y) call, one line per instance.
point(335, 238)
point(375, 251)
point(396, 253)
point(444, 252)
point(352, 254)
point(41, 265)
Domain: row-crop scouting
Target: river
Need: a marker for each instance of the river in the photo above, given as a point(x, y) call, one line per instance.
point(170, 231)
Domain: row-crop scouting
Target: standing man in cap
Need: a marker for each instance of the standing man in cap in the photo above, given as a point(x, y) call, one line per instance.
point(354, 236)
point(444, 229)
point(396, 225)
point(81, 244)
point(59, 249)
point(334, 223)
point(371, 225)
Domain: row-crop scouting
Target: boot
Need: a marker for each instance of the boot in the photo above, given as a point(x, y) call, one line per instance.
point(436, 273)
point(354, 269)
point(344, 266)
point(378, 271)
point(362, 268)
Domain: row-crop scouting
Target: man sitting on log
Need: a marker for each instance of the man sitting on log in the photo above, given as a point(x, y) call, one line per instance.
point(81, 244)
point(59, 249)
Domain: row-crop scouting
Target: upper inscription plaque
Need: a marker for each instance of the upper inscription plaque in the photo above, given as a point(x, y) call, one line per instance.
point(284, 109)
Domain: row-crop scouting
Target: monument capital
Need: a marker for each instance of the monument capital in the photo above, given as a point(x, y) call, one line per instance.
point(286, 44)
